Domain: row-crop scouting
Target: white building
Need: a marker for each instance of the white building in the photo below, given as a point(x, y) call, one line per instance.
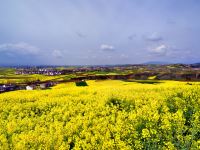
point(30, 87)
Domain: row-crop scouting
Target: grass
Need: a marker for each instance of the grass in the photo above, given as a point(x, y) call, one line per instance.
point(6, 71)
point(145, 81)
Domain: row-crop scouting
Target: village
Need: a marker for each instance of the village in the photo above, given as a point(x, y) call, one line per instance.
point(54, 71)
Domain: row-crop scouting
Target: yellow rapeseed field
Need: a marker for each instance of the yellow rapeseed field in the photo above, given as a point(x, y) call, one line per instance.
point(103, 115)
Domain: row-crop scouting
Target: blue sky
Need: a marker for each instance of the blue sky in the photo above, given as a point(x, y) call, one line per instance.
point(91, 32)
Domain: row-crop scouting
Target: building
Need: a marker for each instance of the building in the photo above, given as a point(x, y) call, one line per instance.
point(30, 87)
point(6, 88)
point(46, 85)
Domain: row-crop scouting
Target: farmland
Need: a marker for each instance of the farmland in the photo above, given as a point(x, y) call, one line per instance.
point(25, 75)
point(105, 114)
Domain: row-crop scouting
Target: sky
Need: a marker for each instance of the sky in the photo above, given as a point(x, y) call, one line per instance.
point(99, 32)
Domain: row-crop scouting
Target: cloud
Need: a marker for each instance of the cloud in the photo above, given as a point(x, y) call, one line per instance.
point(177, 53)
point(81, 35)
point(106, 47)
point(171, 53)
point(21, 48)
point(131, 37)
point(171, 22)
point(154, 37)
point(123, 56)
point(57, 53)
point(160, 50)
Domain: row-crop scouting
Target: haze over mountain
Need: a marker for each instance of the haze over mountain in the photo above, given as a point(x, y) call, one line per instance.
point(157, 63)
point(95, 32)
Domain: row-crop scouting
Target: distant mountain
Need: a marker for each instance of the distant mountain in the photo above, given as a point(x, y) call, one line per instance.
point(195, 65)
point(157, 63)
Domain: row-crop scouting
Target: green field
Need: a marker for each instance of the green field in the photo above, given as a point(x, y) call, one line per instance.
point(107, 114)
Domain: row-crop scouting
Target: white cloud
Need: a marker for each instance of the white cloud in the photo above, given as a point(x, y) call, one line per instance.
point(170, 52)
point(160, 50)
point(106, 47)
point(154, 37)
point(19, 48)
point(57, 53)
point(124, 56)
